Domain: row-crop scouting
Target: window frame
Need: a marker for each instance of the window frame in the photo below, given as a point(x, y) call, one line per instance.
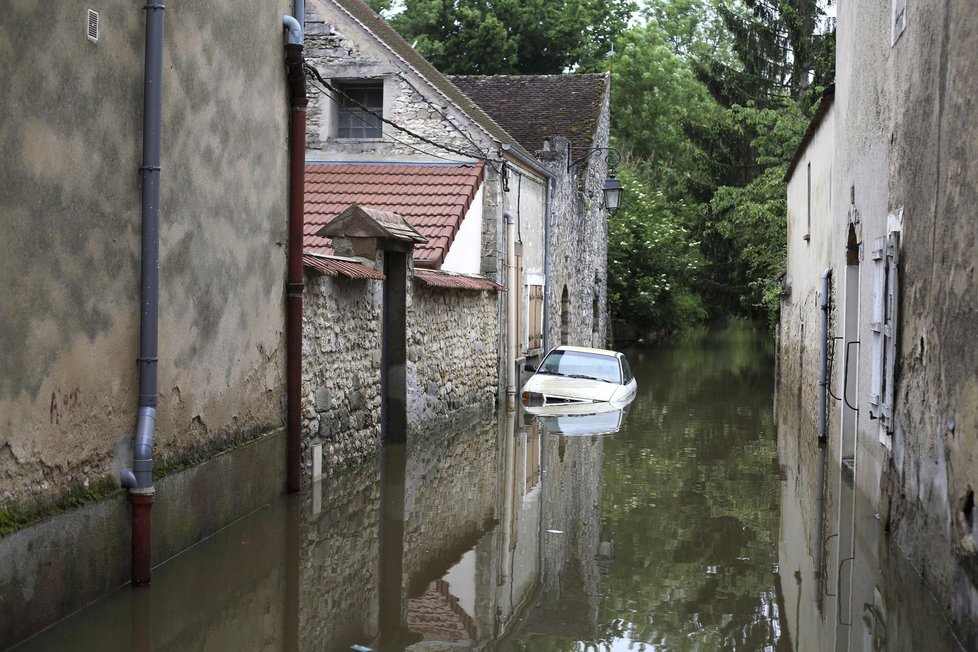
point(348, 110)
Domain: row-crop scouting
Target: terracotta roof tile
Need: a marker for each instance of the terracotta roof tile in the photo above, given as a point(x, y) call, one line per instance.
point(433, 198)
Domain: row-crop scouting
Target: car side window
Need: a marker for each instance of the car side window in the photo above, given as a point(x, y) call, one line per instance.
point(626, 372)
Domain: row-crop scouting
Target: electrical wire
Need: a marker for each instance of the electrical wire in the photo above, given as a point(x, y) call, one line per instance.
point(439, 112)
point(480, 155)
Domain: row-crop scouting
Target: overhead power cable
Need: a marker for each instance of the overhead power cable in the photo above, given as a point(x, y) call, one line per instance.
point(479, 156)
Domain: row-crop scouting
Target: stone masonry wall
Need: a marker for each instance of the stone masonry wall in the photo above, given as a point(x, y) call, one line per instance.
point(452, 338)
point(340, 49)
point(452, 354)
point(578, 246)
point(341, 369)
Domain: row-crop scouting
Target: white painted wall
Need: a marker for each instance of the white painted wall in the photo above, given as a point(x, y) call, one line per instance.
point(465, 254)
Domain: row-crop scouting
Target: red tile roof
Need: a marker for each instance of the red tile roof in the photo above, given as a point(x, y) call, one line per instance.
point(336, 266)
point(433, 198)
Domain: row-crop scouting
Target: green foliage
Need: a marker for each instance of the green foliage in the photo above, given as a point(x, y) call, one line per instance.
point(476, 37)
point(653, 265)
point(752, 217)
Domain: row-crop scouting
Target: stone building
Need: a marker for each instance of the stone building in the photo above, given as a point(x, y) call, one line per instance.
point(391, 133)
point(70, 204)
point(567, 295)
point(877, 357)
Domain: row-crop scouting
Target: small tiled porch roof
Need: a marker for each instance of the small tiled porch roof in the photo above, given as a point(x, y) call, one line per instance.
point(337, 266)
point(451, 280)
point(431, 197)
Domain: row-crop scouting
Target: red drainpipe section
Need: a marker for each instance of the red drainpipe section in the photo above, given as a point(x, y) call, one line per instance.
point(295, 284)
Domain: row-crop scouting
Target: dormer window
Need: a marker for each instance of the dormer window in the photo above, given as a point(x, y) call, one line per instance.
point(361, 103)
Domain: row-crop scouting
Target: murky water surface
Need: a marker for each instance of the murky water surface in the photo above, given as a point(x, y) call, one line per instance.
point(679, 531)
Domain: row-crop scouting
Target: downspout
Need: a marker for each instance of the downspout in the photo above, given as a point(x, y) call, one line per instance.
point(548, 215)
point(295, 284)
point(139, 478)
point(511, 281)
point(823, 357)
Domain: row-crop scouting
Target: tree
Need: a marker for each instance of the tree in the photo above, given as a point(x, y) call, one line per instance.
point(467, 37)
point(653, 264)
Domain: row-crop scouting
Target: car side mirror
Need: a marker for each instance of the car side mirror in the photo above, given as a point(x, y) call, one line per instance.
point(530, 368)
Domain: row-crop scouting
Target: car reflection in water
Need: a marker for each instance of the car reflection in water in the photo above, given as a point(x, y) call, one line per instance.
point(575, 419)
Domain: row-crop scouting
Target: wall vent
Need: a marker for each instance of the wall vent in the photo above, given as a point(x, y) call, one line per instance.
point(93, 27)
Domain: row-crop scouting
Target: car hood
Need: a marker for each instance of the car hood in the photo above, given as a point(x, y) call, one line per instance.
point(574, 389)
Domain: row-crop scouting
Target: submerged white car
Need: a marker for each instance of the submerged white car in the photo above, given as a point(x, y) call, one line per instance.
point(576, 374)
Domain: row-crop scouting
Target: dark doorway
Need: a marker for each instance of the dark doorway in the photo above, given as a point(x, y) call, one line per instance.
point(393, 372)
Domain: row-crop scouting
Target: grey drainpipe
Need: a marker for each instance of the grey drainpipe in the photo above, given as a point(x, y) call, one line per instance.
point(296, 79)
point(546, 265)
point(139, 479)
point(823, 356)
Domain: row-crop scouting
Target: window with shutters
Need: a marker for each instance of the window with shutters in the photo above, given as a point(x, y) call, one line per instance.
point(883, 326)
point(535, 316)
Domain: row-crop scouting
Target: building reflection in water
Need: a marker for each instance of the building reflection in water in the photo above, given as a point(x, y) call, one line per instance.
point(843, 586)
point(468, 537)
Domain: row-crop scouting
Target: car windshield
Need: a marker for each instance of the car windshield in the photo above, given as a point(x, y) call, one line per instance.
point(579, 364)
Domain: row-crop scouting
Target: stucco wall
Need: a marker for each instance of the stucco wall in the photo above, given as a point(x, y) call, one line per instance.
point(812, 248)
point(934, 179)
point(905, 141)
point(70, 127)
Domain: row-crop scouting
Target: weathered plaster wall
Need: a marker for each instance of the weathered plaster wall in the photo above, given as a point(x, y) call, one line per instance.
point(934, 461)
point(526, 199)
point(40, 583)
point(905, 140)
point(812, 248)
point(70, 127)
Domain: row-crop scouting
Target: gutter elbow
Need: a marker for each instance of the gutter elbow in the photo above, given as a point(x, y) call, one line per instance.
point(295, 30)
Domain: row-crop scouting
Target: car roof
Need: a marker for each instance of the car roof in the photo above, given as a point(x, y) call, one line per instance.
point(587, 349)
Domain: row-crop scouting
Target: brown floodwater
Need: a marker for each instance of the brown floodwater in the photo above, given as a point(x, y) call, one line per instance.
point(670, 525)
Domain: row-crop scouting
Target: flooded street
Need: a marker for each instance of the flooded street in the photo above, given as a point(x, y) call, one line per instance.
point(682, 530)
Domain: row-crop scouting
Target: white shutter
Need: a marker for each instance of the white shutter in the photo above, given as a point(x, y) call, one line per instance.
point(876, 326)
point(890, 328)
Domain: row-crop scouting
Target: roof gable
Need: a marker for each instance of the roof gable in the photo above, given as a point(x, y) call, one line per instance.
point(432, 198)
point(395, 43)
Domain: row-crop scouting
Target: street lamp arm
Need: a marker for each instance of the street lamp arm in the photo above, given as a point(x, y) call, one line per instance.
point(611, 156)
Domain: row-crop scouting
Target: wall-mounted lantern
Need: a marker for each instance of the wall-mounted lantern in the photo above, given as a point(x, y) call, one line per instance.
point(611, 189)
